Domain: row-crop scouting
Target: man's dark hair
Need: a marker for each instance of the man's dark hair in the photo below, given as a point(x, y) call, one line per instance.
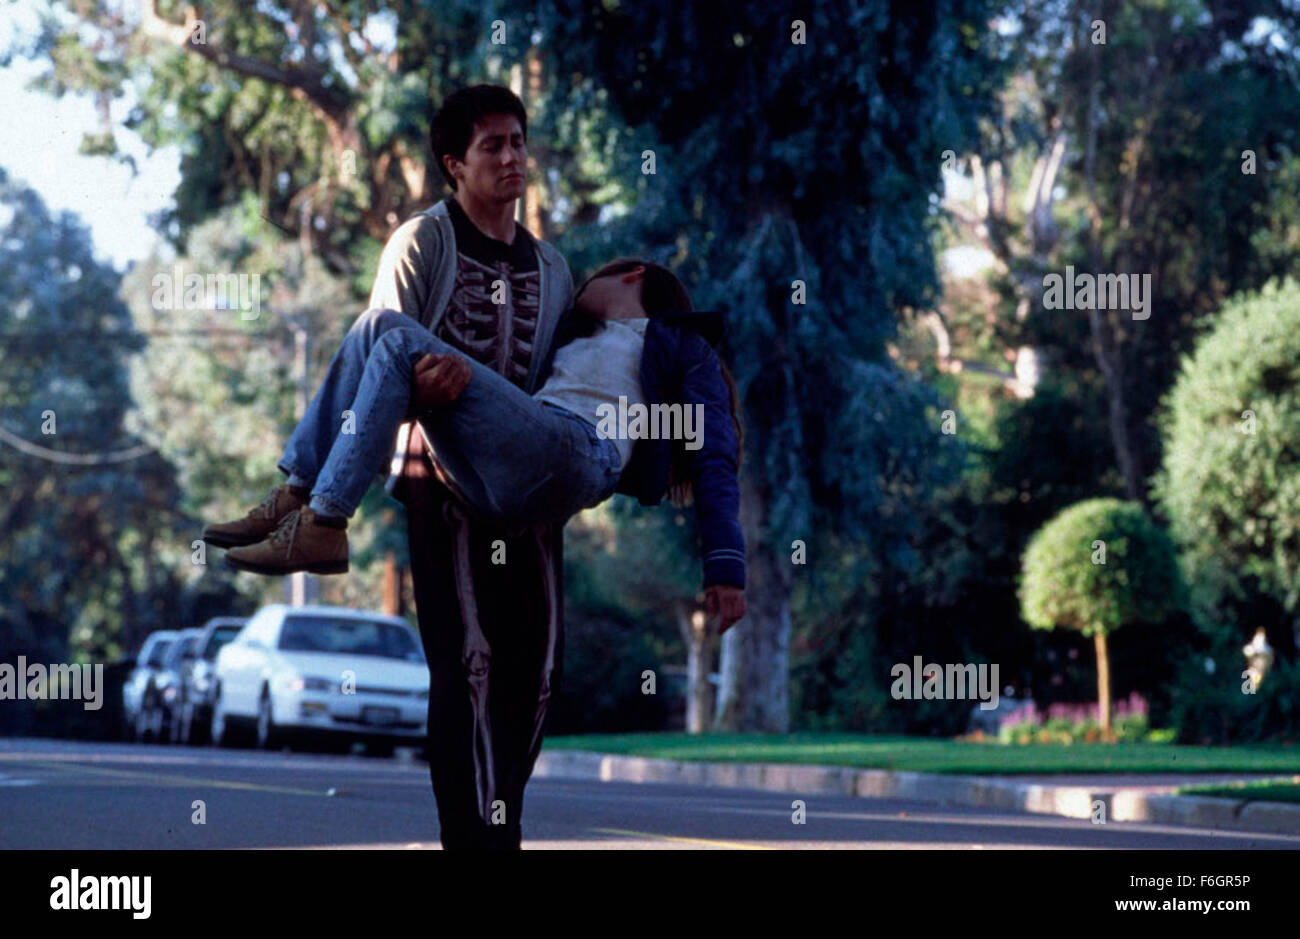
point(453, 126)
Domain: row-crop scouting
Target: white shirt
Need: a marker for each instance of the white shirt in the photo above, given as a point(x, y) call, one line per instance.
point(595, 370)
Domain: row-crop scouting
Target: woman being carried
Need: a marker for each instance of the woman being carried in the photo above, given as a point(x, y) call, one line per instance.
point(631, 342)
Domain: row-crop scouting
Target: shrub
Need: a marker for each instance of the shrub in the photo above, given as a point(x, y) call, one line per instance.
point(1210, 704)
point(599, 690)
point(1230, 481)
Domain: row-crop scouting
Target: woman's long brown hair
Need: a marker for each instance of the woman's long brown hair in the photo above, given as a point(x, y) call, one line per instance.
point(662, 292)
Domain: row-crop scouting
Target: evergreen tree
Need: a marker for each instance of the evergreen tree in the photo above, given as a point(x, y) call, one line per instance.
point(794, 157)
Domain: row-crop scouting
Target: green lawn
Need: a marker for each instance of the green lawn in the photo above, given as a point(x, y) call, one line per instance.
point(942, 756)
point(1268, 790)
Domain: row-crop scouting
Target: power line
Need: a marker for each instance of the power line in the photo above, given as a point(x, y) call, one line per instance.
point(143, 334)
point(76, 459)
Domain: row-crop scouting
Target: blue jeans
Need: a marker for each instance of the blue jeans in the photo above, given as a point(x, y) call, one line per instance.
point(514, 458)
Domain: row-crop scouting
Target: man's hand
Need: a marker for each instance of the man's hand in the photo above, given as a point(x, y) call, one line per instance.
point(725, 602)
point(439, 380)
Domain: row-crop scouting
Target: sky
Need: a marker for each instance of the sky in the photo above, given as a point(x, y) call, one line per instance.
point(39, 137)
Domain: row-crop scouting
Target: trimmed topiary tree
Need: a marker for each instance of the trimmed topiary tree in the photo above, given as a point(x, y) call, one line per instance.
point(1230, 483)
point(1099, 565)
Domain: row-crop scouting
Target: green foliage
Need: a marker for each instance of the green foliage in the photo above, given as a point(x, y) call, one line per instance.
point(320, 110)
point(939, 756)
point(1152, 181)
point(1131, 728)
point(94, 552)
point(843, 448)
point(605, 655)
point(1231, 477)
point(1265, 790)
point(1212, 706)
point(1064, 586)
point(217, 389)
point(850, 221)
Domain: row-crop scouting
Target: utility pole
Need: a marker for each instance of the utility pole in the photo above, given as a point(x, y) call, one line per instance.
point(301, 588)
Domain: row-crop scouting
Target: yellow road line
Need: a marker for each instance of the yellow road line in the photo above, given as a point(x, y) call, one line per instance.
point(176, 780)
point(702, 841)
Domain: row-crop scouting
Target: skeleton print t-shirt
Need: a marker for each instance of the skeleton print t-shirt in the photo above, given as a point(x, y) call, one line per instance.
point(492, 313)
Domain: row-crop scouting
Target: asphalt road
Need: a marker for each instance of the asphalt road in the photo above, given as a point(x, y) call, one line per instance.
point(62, 795)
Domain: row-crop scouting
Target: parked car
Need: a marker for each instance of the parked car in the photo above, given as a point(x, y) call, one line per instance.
point(328, 672)
point(162, 689)
point(193, 712)
point(147, 661)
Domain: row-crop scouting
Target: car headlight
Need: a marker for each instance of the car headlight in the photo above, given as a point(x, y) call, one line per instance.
point(290, 682)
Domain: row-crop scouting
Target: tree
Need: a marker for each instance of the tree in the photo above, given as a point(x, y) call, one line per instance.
point(216, 390)
point(1097, 566)
point(1231, 476)
point(94, 553)
point(304, 128)
point(798, 155)
point(321, 111)
point(1146, 137)
point(642, 563)
point(794, 160)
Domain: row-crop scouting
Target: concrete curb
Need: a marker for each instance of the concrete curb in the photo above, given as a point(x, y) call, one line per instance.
point(1121, 805)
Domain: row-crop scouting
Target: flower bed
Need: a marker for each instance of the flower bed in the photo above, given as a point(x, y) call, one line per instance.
point(1080, 723)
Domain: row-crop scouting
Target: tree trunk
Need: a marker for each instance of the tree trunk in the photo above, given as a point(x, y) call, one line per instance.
point(1103, 684)
point(1111, 363)
point(699, 659)
point(1105, 344)
point(392, 585)
point(535, 190)
point(755, 666)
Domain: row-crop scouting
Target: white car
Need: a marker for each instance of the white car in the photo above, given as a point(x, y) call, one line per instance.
point(147, 663)
point(337, 673)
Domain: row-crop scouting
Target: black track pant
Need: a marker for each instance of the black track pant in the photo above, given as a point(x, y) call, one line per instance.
point(489, 683)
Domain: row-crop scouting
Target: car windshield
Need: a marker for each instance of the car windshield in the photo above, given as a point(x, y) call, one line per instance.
point(180, 650)
point(349, 637)
point(220, 636)
point(158, 653)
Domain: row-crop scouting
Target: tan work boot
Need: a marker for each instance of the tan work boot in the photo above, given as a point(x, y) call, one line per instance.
point(301, 543)
point(257, 524)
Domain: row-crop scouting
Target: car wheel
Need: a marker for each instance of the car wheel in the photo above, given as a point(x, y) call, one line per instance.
point(200, 726)
point(144, 724)
point(180, 725)
point(269, 736)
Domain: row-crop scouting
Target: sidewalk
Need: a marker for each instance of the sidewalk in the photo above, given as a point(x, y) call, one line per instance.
point(1125, 797)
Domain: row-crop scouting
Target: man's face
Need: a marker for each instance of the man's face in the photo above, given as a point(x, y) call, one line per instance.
point(495, 161)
